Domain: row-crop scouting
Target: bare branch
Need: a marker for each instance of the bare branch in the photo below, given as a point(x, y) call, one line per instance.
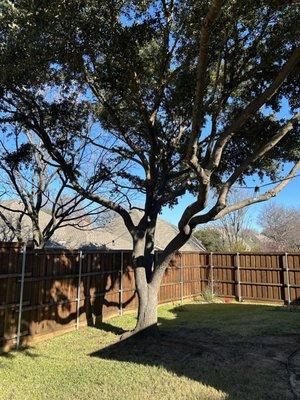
point(263, 197)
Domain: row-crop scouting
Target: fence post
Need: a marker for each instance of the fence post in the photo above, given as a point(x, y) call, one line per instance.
point(211, 272)
point(21, 296)
point(121, 283)
point(287, 279)
point(238, 277)
point(79, 291)
point(181, 280)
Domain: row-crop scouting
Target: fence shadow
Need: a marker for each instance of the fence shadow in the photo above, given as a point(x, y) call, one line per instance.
point(54, 280)
point(99, 283)
point(61, 291)
point(241, 367)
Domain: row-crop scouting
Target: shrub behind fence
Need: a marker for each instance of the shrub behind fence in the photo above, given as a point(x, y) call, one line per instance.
point(44, 293)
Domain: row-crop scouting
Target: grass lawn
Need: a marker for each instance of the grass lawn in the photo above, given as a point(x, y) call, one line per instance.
point(207, 351)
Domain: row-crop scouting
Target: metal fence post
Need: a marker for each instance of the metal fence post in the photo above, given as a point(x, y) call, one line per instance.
point(238, 277)
point(181, 279)
point(21, 296)
point(211, 273)
point(79, 291)
point(287, 278)
point(121, 283)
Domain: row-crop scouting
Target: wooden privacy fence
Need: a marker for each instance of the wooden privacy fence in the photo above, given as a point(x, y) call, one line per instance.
point(44, 293)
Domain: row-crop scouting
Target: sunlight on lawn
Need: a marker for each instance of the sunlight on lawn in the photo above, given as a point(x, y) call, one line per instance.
point(186, 365)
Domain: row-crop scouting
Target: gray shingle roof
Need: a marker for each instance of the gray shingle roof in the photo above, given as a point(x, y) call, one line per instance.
point(113, 235)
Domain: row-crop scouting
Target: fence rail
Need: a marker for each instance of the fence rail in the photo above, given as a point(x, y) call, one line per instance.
point(44, 293)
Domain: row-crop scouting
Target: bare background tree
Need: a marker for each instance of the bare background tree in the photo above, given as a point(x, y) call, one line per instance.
point(282, 225)
point(11, 227)
point(230, 233)
point(30, 185)
point(234, 226)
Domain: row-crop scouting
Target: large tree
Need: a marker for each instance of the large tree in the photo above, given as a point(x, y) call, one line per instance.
point(183, 97)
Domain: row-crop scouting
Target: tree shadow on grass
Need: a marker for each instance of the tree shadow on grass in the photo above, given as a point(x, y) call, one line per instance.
point(242, 367)
point(28, 351)
point(104, 326)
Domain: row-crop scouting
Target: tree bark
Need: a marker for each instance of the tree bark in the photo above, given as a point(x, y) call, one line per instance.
point(147, 289)
point(147, 294)
point(147, 311)
point(147, 315)
point(38, 239)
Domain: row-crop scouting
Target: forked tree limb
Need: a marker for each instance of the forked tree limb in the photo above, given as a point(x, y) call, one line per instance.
point(259, 153)
point(181, 238)
point(252, 108)
point(263, 197)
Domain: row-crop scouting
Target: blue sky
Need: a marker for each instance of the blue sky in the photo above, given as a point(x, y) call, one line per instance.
point(289, 196)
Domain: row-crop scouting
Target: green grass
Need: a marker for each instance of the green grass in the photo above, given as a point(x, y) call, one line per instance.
point(211, 351)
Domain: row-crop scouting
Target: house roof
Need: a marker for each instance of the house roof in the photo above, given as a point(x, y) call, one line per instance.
point(113, 235)
point(67, 236)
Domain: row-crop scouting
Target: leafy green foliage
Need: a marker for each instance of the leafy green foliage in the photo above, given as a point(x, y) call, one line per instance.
point(211, 238)
point(119, 78)
point(23, 155)
point(208, 295)
point(153, 100)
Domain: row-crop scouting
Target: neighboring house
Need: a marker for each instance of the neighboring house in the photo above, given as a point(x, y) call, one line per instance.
point(68, 236)
point(113, 235)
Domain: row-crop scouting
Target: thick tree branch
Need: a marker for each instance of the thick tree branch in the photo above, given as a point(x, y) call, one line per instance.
point(259, 153)
point(263, 197)
point(201, 79)
point(253, 107)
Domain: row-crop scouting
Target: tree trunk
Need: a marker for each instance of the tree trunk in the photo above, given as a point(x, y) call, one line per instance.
point(146, 325)
point(147, 312)
point(147, 294)
point(38, 239)
point(148, 280)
